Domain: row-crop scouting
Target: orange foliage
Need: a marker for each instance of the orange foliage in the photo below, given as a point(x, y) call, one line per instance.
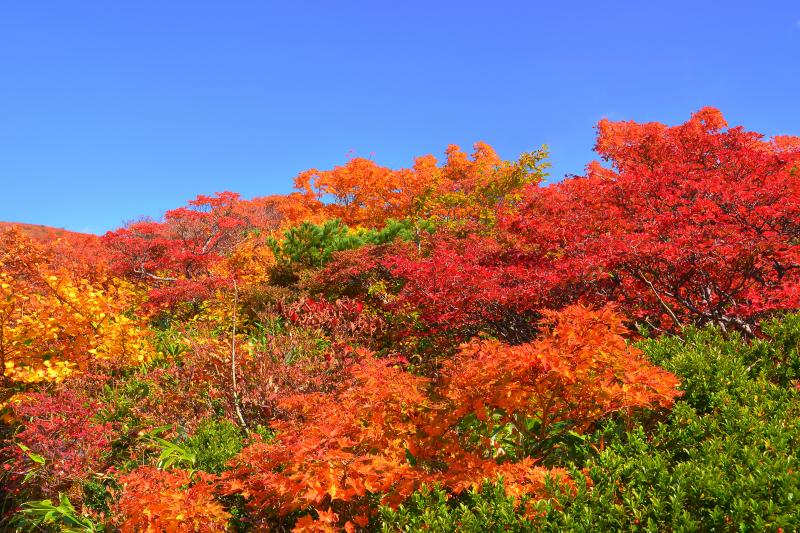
point(339, 448)
point(386, 431)
point(693, 223)
point(175, 501)
point(290, 209)
point(464, 188)
point(77, 251)
point(363, 192)
point(580, 370)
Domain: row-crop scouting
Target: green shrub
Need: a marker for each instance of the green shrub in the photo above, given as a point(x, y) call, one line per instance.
point(97, 493)
point(312, 245)
point(725, 459)
point(44, 515)
point(214, 443)
point(431, 510)
point(783, 348)
point(713, 369)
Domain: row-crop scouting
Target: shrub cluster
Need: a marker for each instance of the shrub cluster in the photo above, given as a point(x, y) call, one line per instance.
point(454, 346)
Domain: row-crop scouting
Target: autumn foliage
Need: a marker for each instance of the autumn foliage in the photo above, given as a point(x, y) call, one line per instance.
point(58, 445)
point(155, 500)
point(691, 224)
point(54, 322)
point(465, 187)
point(384, 432)
point(579, 371)
point(695, 223)
point(313, 361)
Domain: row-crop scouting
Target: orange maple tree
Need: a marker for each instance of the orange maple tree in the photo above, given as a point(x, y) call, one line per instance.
point(463, 188)
point(385, 431)
point(337, 449)
point(175, 500)
point(578, 371)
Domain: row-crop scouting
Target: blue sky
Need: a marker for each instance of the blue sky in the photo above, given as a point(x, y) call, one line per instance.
point(113, 110)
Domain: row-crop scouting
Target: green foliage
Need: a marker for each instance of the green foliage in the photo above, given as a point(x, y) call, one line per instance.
point(264, 432)
point(119, 401)
point(214, 443)
point(713, 369)
point(37, 461)
point(98, 494)
point(169, 343)
point(312, 245)
point(530, 167)
point(783, 347)
point(262, 333)
point(36, 515)
point(171, 453)
point(725, 459)
point(489, 509)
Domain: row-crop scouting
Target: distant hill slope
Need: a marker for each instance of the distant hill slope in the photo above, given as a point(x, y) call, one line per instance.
point(46, 234)
point(84, 247)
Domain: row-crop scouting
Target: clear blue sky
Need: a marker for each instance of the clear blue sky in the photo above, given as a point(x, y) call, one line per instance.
point(112, 110)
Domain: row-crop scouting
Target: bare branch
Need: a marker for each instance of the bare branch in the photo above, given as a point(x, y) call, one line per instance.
point(236, 402)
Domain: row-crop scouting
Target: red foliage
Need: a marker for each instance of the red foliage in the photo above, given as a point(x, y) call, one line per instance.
point(177, 255)
point(695, 223)
point(465, 285)
point(343, 320)
point(352, 272)
point(81, 252)
point(283, 362)
point(60, 430)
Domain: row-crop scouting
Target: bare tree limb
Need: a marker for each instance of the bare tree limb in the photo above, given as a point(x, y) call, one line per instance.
point(236, 402)
point(667, 308)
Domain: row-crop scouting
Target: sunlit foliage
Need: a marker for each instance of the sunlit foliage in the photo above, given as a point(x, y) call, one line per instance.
point(456, 346)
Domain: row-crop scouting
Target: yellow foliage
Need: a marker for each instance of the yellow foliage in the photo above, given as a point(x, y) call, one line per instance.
point(53, 325)
point(249, 262)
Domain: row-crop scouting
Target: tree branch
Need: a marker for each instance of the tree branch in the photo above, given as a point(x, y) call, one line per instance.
point(236, 402)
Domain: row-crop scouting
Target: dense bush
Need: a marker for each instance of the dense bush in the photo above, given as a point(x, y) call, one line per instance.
point(726, 458)
point(432, 509)
point(446, 347)
point(214, 443)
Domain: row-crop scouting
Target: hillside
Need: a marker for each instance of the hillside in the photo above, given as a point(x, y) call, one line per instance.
point(83, 247)
point(453, 346)
point(45, 234)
